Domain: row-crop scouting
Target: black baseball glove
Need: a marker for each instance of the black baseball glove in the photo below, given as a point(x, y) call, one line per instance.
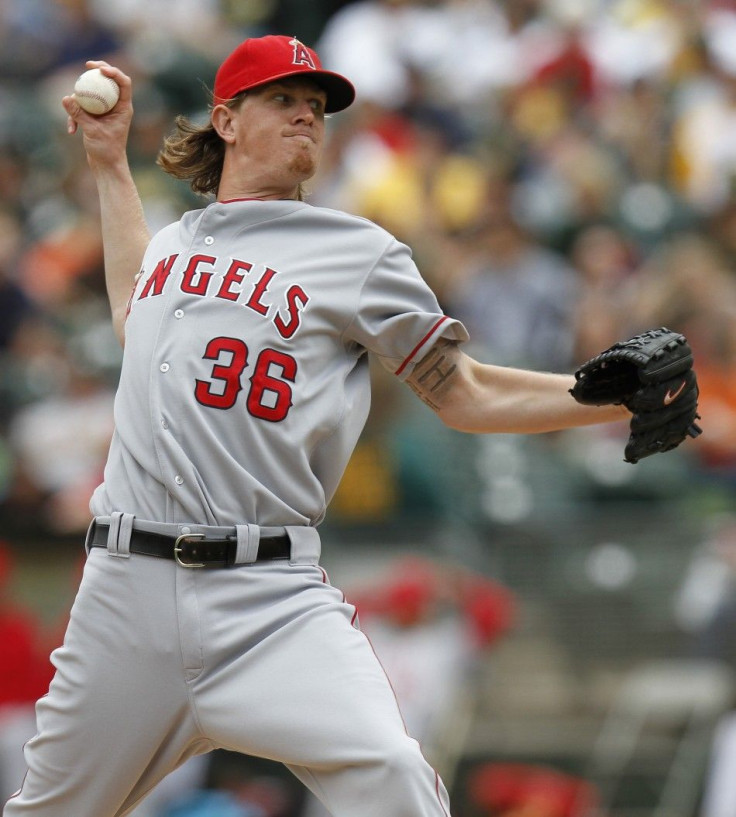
point(652, 375)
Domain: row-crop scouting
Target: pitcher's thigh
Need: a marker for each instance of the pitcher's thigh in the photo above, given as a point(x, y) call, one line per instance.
point(355, 753)
point(313, 695)
point(115, 698)
point(294, 680)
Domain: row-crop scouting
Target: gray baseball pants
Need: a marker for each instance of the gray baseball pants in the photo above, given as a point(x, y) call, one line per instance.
point(161, 662)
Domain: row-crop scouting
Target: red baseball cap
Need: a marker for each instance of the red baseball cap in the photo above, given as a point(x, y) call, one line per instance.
point(260, 60)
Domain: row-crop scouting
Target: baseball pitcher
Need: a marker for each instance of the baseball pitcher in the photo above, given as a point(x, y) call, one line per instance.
point(204, 619)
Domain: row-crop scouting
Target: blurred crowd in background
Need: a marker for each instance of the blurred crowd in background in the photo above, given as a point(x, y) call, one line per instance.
point(564, 171)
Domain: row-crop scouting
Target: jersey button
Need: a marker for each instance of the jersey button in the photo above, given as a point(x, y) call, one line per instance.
point(164, 367)
point(209, 240)
point(179, 480)
point(179, 313)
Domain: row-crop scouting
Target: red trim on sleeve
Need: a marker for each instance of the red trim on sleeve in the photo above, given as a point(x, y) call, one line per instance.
point(420, 344)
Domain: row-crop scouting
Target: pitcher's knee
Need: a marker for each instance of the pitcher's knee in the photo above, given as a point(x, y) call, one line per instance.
point(410, 784)
point(403, 762)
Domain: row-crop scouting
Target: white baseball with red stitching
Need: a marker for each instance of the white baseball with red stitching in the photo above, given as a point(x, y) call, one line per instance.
point(95, 92)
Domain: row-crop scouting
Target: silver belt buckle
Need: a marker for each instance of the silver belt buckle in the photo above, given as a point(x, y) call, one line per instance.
point(186, 537)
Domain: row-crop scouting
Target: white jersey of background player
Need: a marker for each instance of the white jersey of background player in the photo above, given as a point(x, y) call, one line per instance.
point(243, 390)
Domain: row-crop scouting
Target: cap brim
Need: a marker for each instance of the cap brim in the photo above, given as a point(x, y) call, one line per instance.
point(340, 91)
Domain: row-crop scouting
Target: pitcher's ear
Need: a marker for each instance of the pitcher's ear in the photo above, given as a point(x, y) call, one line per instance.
point(222, 118)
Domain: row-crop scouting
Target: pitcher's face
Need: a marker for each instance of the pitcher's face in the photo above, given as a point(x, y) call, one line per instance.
point(275, 135)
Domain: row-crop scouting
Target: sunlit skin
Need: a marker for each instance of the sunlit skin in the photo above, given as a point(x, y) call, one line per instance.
point(273, 139)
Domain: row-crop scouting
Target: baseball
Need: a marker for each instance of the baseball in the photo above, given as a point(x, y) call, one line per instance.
point(95, 92)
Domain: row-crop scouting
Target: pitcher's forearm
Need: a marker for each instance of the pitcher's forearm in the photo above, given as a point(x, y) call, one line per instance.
point(124, 231)
point(125, 236)
point(480, 398)
point(523, 402)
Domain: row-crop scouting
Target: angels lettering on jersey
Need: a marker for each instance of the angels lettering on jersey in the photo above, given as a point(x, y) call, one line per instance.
point(242, 285)
point(236, 281)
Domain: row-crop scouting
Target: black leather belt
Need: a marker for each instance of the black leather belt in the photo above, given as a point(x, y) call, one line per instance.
point(193, 549)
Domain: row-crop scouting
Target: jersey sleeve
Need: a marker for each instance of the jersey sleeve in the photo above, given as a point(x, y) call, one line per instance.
point(398, 317)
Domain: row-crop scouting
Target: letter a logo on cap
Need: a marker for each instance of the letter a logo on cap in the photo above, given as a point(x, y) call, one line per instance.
point(301, 54)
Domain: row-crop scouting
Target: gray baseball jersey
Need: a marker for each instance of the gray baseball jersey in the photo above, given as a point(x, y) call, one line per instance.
point(245, 382)
point(243, 390)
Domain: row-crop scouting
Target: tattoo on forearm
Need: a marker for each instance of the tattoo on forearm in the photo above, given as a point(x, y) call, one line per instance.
point(432, 377)
point(437, 372)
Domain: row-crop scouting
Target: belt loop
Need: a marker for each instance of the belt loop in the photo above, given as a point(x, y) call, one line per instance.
point(88, 537)
point(118, 536)
point(306, 545)
point(248, 537)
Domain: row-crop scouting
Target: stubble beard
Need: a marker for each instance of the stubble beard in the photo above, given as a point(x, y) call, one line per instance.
point(303, 164)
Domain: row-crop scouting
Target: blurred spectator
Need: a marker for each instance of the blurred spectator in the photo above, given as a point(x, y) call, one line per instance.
point(688, 285)
point(194, 24)
point(719, 796)
point(717, 403)
point(37, 37)
point(307, 22)
point(630, 40)
point(210, 803)
point(463, 50)
point(25, 676)
point(15, 305)
point(705, 611)
point(429, 624)
point(59, 441)
point(182, 794)
point(516, 789)
point(422, 186)
point(685, 284)
point(516, 297)
point(79, 32)
point(606, 262)
point(55, 265)
point(365, 41)
point(235, 786)
point(705, 606)
point(26, 670)
point(706, 147)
